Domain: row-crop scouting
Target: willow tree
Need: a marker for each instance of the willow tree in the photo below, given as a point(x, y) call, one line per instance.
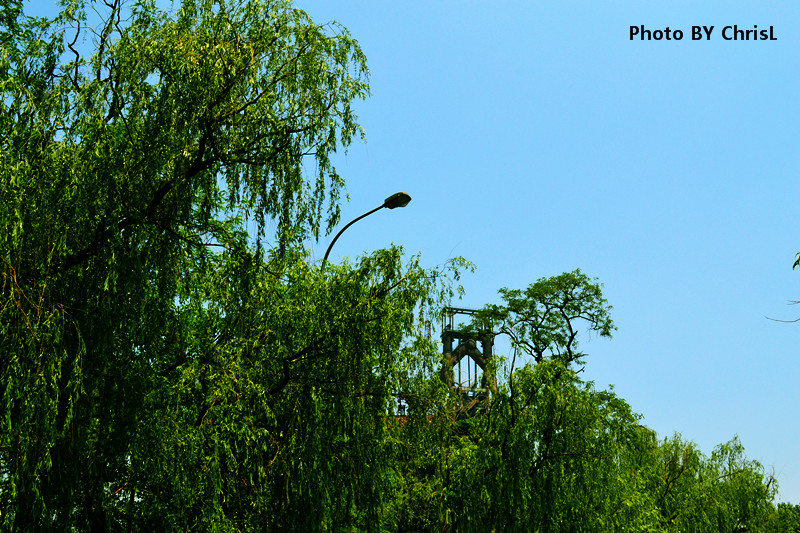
point(161, 367)
point(550, 452)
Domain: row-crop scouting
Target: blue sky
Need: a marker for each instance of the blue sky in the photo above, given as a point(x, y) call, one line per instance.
point(537, 138)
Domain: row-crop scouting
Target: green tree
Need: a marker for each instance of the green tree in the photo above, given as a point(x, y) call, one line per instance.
point(566, 462)
point(694, 492)
point(546, 454)
point(551, 453)
point(784, 519)
point(543, 320)
point(162, 368)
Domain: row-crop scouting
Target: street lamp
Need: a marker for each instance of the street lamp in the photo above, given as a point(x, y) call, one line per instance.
point(398, 199)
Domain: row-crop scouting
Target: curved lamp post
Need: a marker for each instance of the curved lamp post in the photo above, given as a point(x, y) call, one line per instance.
point(398, 199)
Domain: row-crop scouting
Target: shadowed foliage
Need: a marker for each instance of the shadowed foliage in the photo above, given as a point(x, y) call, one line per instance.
point(171, 359)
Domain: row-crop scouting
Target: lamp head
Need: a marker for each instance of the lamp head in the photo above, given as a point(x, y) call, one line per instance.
point(398, 199)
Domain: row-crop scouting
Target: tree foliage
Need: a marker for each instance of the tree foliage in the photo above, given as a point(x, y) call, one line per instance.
point(161, 369)
point(172, 360)
point(574, 458)
point(550, 452)
point(543, 320)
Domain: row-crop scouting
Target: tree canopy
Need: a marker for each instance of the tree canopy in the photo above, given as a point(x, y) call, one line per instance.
point(171, 359)
point(160, 363)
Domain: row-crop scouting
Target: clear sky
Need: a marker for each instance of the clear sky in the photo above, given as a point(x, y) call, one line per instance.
point(536, 138)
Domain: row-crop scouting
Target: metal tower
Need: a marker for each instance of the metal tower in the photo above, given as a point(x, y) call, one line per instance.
point(474, 348)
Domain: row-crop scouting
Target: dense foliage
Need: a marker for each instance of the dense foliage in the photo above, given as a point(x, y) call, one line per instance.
point(165, 369)
point(549, 452)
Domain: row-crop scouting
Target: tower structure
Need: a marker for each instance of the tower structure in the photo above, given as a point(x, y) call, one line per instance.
point(471, 349)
